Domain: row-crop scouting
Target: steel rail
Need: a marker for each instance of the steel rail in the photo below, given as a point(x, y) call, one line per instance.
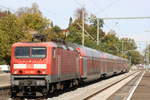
point(94, 94)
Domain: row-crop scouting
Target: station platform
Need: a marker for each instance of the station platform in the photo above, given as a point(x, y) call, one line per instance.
point(4, 80)
point(136, 89)
point(142, 91)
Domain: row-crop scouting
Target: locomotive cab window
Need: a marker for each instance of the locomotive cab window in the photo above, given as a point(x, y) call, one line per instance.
point(38, 52)
point(22, 52)
point(30, 52)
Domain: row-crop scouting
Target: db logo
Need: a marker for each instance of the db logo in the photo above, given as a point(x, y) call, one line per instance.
point(29, 66)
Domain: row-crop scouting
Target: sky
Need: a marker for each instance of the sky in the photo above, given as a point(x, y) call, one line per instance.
point(59, 11)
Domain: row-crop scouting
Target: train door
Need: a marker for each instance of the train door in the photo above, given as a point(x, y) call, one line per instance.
point(84, 67)
point(58, 63)
point(105, 66)
point(102, 66)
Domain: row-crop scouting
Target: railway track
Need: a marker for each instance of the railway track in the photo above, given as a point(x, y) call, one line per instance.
point(90, 96)
point(4, 93)
point(88, 92)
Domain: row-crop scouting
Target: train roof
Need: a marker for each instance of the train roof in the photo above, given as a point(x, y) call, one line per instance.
point(84, 51)
point(52, 44)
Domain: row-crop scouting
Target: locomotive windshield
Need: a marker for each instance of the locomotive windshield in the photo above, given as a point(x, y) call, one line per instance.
point(22, 52)
point(30, 52)
point(38, 52)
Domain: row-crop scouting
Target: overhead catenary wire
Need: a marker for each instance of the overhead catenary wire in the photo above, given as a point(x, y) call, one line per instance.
point(86, 32)
point(120, 18)
point(78, 3)
point(108, 6)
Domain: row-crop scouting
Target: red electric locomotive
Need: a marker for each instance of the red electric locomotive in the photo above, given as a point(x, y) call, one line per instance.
point(42, 67)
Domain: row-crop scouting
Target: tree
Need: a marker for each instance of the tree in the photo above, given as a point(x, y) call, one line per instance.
point(54, 33)
point(14, 28)
point(10, 32)
point(128, 44)
point(4, 13)
point(110, 43)
point(56, 29)
point(70, 21)
point(136, 57)
point(34, 8)
point(79, 14)
point(27, 10)
point(147, 54)
point(93, 21)
point(51, 24)
point(74, 33)
point(34, 21)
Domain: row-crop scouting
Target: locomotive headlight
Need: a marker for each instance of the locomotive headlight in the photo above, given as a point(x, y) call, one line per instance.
point(39, 66)
point(43, 72)
point(15, 72)
point(20, 66)
point(40, 82)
